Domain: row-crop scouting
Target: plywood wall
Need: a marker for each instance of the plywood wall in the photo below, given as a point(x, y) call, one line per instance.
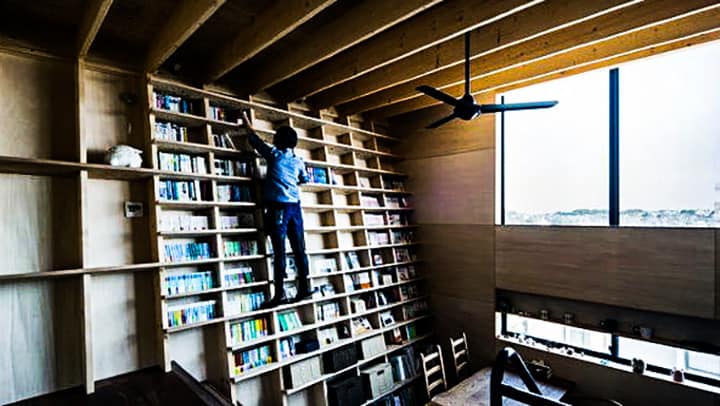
point(451, 174)
point(663, 270)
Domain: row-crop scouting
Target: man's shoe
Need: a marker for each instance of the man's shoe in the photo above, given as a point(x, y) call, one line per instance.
point(304, 295)
point(274, 302)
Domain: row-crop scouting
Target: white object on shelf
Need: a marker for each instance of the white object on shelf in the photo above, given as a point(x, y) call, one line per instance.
point(123, 155)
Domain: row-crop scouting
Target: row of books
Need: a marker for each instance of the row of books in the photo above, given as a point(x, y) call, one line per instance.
point(247, 360)
point(181, 190)
point(234, 193)
point(408, 292)
point(404, 255)
point(394, 202)
point(324, 265)
point(170, 131)
point(288, 347)
point(378, 238)
point(397, 219)
point(240, 248)
point(405, 273)
point(318, 175)
point(245, 302)
point(180, 315)
point(228, 167)
point(236, 221)
point(188, 282)
point(352, 260)
point(392, 183)
point(289, 320)
point(181, 163)
point(239, 276)
point(223, 141)
point(374, 220)
point(415, 309)
point(182, 222)
point(174, 103)
point(403, 236)
point(327, 311)
point(248, 330)
point(177, 252)
point(223, 114)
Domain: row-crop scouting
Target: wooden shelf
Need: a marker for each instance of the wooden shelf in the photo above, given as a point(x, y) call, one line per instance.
point(200, 233)
point(310, 121)
point(202, 204)
point(398, 385)
point(337, 139)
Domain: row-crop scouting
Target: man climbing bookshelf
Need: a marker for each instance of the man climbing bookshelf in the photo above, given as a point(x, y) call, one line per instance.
point(283, 215)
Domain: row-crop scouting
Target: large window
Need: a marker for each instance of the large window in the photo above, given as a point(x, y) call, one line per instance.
point(556, 160)
point(698, 366)
point(670, 139)
point(557, 166)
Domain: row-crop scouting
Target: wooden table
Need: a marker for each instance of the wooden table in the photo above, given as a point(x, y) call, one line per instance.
point(475, 391)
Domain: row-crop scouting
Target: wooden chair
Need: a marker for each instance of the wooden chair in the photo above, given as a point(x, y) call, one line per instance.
point(433, 366)
point(461, 354)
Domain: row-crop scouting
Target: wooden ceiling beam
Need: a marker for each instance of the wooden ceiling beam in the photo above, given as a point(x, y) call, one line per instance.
point(185, 20)
point(362, 21)
point(275, 22)
point(92, 20)
point(684, 31)
point(441, 23)
point(635, 17)
point(551, 15)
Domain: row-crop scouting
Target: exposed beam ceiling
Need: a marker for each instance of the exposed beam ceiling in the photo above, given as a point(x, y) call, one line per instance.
point(550, 16)
point(276, 21)
point(597, 55)
point(441, 23)
point(362, 21)
point(185, 20)
point(597, 29)
point(95, 13)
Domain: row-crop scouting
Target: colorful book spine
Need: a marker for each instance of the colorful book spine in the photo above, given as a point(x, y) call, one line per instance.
point(178, 252)
point(185, 314)
point(248, 330)
point(245, 302)
point(239, 276)
point(188, 282)
point(240, 248)
point(247, 360)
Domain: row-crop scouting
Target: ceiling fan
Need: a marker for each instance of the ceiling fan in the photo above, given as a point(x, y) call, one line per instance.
point(465, 107)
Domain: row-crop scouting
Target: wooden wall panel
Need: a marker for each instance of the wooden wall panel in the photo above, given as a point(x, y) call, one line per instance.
point(26, 345)
point(116, 343)
point(455, 137)
point(453, 189)
point(107, 120)
point(664, 270)
point(109, 233)
point(37, 113)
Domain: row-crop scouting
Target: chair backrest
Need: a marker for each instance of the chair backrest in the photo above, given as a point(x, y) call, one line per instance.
point(460, 354)
point(434, 371)
point(531, 396)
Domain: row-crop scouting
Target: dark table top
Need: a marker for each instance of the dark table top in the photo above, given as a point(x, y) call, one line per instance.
point(475, 390)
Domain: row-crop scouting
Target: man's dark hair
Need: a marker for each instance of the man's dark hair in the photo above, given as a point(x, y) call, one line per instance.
point(285, 137)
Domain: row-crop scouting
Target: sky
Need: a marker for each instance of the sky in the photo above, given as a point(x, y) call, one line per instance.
point(557, 159)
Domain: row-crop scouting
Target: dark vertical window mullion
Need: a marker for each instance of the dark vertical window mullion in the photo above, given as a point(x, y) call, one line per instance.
point(614, 147)
point(502, 164)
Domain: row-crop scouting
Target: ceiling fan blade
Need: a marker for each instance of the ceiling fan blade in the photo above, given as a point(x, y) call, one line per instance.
point(496, 108)
point(436, 94)
point(441, 121)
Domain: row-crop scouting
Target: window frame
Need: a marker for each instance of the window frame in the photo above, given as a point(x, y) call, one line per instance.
point(613, 175)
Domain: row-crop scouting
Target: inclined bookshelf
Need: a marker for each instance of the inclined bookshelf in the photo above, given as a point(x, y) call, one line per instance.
point(216, 263)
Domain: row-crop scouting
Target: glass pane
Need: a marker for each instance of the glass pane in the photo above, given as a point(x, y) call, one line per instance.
point(556, 160)
point(703, 364)
point(559, 333)
point(653, 354)
point(670, 139)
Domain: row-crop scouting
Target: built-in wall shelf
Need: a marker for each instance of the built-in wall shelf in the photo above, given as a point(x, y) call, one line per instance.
point(361, 247)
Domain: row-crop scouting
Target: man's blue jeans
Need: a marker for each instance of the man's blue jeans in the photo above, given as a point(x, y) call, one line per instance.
point(285, 220)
